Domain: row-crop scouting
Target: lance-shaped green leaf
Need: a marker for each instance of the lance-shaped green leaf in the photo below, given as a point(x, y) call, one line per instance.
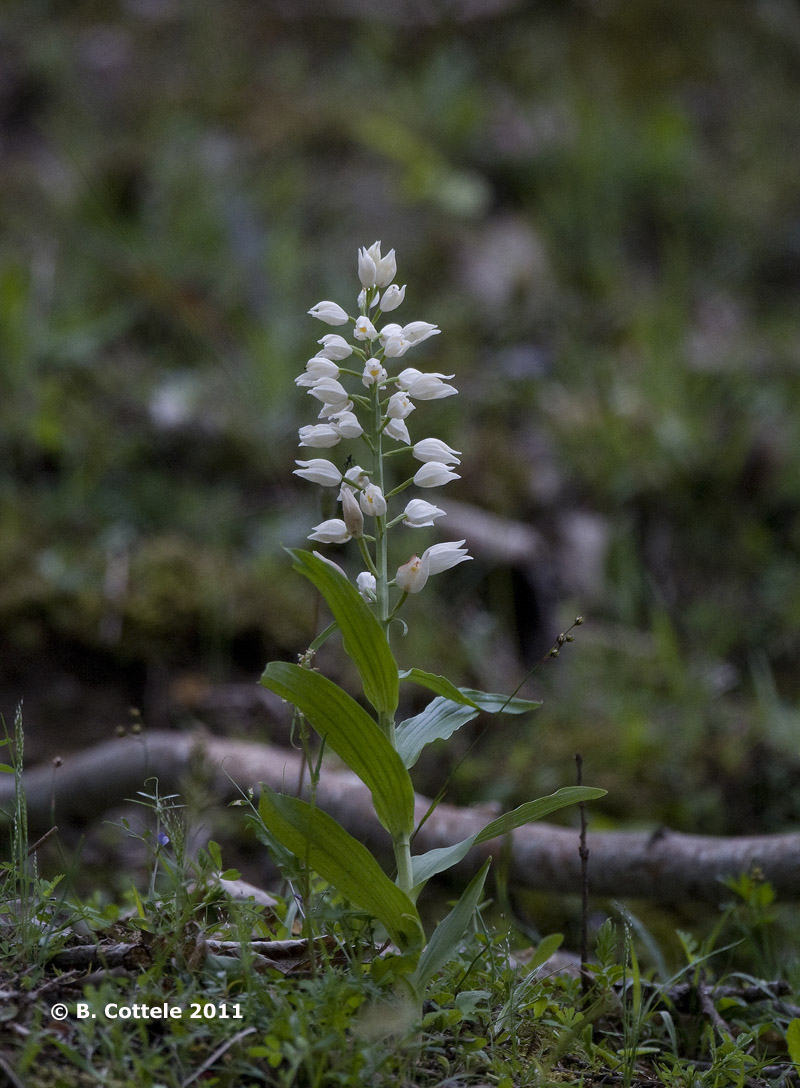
point(442, 946)
point(498, 704)
point(438, 721)
point(344, 862)
point(440, 685)
point(436, 861)
point(353, 735)
point(363, 637)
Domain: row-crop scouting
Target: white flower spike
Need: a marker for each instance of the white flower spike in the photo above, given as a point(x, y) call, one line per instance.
point(370, 399)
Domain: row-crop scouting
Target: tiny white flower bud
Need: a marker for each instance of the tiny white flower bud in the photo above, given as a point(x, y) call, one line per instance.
point(434, 474)
point(367, 268)
point(399, 406)
point(367, 586)
point(433, 449)
point(333, 531)
point(386, 269)
point(413, 575)
point(372, 501)
point(420, 514)
point(392, 297)
point(362, 299)
point(329, 312)
point(352, 514)
point(319, 471)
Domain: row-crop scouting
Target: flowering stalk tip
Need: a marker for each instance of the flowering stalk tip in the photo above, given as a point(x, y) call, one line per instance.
point(365, 394)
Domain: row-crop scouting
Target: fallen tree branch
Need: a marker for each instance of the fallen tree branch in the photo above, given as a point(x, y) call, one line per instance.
point(666, 866)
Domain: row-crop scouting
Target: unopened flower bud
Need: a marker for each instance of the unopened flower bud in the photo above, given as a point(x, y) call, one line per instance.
point(351, 512)
point(367, 586)
point(392, 297)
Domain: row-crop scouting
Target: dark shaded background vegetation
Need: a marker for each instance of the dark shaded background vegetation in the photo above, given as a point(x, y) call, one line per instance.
point(598, 202)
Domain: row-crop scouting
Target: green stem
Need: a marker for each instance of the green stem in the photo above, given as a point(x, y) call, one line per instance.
point(402, 857)
point(381, 543)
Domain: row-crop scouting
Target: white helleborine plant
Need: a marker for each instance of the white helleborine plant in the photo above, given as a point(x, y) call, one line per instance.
point(364, 395)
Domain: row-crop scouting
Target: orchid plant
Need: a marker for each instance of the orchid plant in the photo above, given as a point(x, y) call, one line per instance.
point(366, 395)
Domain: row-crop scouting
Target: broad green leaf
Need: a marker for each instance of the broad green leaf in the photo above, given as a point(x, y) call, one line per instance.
point(440, 685)
point(364, 638)
point(439, 720)
point(436, 861)
point(344, 862)
point(498, 704)
point(535, 810)
point(441, 948)
point(353, 735)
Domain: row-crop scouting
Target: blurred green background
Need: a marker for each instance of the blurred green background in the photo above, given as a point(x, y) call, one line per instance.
point(598, 202)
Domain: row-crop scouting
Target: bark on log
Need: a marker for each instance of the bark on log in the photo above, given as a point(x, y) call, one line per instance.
point(666, 866)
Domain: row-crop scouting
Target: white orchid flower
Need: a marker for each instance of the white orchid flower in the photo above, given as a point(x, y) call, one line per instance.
point(399, 406)
point(364, 329)
point(333, 531)
point(335, 346)
point(419, 514)
point(413, 575)
point(373, 372)
point(397, 429)
point(433, 449)
point(434, 474)
point(321, 436)
point(444, 556)
point(329, 312)
point(417, 331)
point(392, 297)
point(317, 368)
point(319, 471)
point(372, 501)
point(329, 391)
point(346, 424)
